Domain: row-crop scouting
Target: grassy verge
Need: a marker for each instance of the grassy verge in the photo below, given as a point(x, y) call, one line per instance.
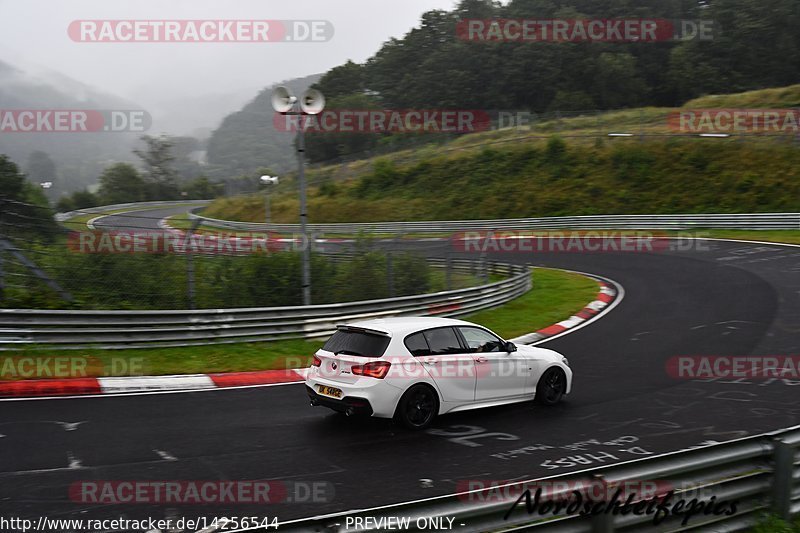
point(789, 236)
point(773, 524)
point(654, 171)
point(780, 236)
point(555, 296)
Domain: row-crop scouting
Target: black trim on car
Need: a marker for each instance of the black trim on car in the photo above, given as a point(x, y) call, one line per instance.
point(358, 406)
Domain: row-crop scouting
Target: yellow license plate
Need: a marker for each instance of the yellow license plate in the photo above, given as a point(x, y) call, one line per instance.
point(330, 391)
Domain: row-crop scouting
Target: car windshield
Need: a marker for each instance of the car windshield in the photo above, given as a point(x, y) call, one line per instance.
point(358, 343)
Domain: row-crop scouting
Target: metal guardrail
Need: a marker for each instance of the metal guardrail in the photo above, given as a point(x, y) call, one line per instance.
point(135, 329)
point(60, 217)
point(761, 473)
point(755, 221)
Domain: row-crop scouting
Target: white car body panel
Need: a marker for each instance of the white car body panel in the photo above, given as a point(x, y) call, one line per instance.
point(462, 380)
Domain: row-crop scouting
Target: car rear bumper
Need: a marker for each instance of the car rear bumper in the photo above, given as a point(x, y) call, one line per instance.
point(349, 404)
point(368, 395)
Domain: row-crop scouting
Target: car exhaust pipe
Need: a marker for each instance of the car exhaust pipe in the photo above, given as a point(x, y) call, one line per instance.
point(350, 411)
point(314, 403)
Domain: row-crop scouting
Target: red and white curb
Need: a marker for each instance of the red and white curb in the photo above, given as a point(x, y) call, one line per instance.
point(196, 382)
point(607, 294)
point(118, 385)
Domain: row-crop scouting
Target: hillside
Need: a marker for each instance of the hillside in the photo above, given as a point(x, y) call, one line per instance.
point(517, 173)
point(246, 140)
point(79, 158)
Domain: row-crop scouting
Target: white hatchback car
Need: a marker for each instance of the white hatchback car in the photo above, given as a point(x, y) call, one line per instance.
point(413, 369)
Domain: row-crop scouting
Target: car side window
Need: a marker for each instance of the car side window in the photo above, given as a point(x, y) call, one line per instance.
point(480, 340)
point(417, 345)
point(443, 341)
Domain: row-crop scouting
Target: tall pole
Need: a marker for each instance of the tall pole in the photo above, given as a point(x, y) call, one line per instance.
point(266, 203)
point(2, 274)
point(301, 181)
point(311, 103)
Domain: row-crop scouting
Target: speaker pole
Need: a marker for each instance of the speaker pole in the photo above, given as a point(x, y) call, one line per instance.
point(311, 103)
point(301, 182)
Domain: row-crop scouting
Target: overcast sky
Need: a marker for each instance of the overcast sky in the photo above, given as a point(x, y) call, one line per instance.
point(34, 33)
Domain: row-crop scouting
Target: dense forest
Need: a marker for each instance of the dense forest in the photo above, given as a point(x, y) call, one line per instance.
point(755, 44)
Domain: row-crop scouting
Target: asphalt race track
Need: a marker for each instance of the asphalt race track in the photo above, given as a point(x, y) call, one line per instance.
point(135, 220)
point(718, 298)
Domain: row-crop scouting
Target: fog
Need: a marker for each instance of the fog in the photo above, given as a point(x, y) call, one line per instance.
point(188, 86)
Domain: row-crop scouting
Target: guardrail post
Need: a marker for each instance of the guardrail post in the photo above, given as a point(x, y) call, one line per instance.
point(603, 522)
point(783, 459)
point(389, 274)
point(187, 248)
point(2, 274)
point(448, 271)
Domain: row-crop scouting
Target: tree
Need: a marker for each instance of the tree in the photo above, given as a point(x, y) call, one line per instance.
point(342, 80)
point(326, 146)
point(24, 210)
point(77, 200)
point(40, 167)
point(203, 189)
point(121, 183)
point(160, 177)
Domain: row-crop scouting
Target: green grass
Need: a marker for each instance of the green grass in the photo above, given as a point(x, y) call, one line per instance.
point(549, 178)
point(531, 176)
point(789, 236)
point(773, 524)
point(555, 296)
point(779, 97)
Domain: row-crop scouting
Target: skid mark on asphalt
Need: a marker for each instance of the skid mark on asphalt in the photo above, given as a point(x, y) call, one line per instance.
point(70, 426)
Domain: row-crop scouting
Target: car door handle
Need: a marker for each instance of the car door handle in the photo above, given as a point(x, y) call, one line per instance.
point(482, 360)
point(430, 361)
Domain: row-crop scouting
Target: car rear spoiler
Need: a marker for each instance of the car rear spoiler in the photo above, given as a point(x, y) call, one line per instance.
point(345, 327)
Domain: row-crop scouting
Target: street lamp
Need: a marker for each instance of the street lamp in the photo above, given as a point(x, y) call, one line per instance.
point(267, 181)
point(311, 103)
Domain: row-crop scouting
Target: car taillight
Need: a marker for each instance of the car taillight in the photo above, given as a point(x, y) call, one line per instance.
point(376, 369)
point(316, 362)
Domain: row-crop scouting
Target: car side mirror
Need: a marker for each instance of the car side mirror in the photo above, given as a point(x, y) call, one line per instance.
point(511, 347)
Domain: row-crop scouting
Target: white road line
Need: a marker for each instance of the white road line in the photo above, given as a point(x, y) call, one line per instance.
point(74, 462)
point(70, 426)
point(145, 393)
point(91, 221)
point(165, 455)
point(156, 383)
